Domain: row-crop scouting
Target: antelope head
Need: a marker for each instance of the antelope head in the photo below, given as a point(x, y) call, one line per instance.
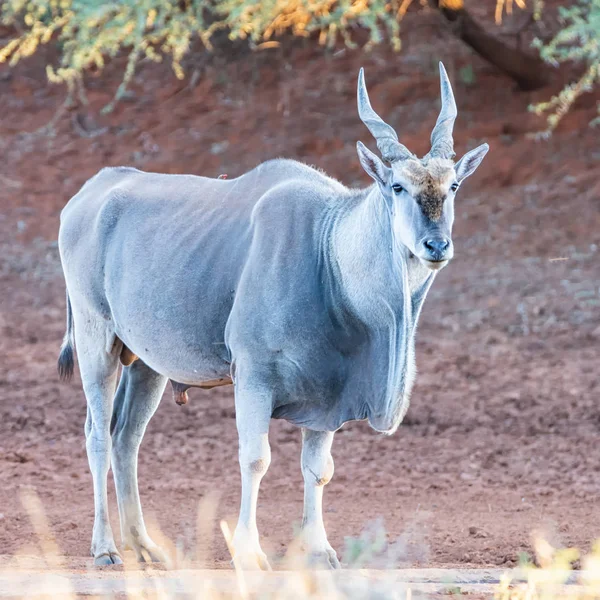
point(420, 192)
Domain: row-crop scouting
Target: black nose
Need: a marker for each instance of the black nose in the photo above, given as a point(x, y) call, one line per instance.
point(437, 248)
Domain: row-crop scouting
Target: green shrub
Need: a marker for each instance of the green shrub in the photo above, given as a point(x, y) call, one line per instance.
point(578, 41)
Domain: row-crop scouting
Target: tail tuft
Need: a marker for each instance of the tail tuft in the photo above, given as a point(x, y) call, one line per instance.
point(66, 356)
point(66, 362)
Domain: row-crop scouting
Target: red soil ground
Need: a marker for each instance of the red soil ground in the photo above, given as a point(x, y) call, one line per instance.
point(501, 438)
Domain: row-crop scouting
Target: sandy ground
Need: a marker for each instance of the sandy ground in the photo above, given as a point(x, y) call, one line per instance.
point(501, 439)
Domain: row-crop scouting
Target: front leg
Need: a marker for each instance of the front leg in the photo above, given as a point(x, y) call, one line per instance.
point(253, 414)
point(317, 470)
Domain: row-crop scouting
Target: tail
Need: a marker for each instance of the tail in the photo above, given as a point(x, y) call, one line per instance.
point(66, 357)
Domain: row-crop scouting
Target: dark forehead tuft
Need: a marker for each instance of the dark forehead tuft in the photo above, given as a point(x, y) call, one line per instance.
point(431, 201)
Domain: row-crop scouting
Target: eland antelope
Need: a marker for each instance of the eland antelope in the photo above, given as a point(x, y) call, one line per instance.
point(301, 292)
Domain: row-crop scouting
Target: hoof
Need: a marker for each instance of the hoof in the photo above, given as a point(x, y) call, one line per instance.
point(155, 555)
point(146, 551)
point(246, 551)
point(326, 559)
point(108, 558)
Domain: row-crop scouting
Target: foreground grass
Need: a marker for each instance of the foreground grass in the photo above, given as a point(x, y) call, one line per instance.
point(551, 575)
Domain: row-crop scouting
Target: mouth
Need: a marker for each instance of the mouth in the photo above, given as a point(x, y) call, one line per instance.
point(434, 265)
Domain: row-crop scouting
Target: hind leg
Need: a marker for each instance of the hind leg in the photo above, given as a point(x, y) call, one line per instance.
point(137, 399)
point(98, 364)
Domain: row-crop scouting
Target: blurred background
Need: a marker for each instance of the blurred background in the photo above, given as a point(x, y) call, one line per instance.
point(501, 439)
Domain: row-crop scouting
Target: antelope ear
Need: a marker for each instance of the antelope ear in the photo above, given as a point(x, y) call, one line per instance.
point(470, 161)
point(372, 164)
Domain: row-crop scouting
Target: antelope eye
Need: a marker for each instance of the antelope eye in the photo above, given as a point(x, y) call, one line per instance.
point(397, 188)
point(454, 186)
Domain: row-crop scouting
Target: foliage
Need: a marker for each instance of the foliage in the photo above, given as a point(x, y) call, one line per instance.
point(90, 31)
point(578, 41)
